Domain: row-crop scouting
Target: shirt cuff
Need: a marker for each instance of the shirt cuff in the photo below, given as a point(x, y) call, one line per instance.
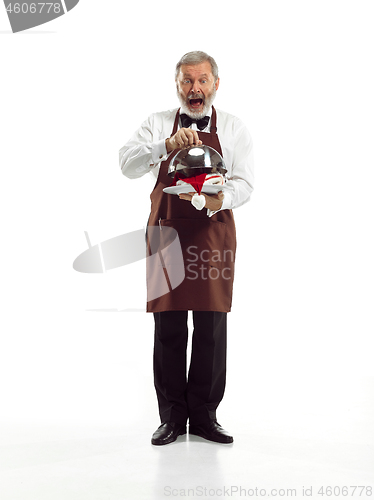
point(159, 152)
point(226, 204)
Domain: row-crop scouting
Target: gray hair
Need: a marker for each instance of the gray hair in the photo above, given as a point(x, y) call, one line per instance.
point(197, 57)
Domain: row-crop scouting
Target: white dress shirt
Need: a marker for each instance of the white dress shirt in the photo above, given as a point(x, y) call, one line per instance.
point(146, 149)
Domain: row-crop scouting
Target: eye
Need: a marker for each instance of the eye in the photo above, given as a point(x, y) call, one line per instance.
point(187, 81)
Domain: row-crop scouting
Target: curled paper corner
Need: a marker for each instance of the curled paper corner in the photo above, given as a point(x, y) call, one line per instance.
point(70, 4)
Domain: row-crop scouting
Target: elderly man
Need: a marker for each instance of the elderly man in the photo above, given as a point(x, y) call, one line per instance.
point(195, 397)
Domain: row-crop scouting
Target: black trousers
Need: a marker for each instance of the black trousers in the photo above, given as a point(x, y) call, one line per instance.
point(196, 396)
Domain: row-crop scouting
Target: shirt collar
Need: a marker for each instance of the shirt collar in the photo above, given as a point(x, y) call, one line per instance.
point(209, 112)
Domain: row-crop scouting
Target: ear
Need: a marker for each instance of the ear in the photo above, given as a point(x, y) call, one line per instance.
point(217, 84)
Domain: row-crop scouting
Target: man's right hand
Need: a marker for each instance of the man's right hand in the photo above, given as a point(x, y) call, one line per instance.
point(184, 138)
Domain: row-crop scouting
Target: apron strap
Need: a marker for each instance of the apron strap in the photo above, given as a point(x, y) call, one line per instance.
point(213, 126)
point(176, 122)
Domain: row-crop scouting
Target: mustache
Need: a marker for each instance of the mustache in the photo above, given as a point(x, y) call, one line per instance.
point(196, 96)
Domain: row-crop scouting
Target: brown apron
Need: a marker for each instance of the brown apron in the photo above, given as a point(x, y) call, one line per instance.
point(208, 245)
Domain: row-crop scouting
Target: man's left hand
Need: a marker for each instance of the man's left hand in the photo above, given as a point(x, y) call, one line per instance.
point(212, 202)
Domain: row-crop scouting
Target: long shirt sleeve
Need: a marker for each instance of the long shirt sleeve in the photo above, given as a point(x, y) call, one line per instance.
point(146, 148)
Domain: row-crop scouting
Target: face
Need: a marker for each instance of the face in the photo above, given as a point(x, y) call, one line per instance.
point(196, 89)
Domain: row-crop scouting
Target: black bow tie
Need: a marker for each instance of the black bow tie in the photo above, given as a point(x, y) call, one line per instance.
point(201, 124)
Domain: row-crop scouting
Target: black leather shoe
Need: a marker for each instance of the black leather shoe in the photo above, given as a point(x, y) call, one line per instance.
point(167, 433)
point(212, 431)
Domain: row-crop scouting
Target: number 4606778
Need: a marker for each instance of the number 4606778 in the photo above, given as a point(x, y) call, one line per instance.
point(34, 8)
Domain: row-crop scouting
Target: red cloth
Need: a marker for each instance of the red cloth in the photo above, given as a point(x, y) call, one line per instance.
point(197, 181)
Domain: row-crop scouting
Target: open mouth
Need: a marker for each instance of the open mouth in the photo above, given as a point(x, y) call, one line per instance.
point(196, 103)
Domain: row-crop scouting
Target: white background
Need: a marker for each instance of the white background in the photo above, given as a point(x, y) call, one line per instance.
point(300, 75)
